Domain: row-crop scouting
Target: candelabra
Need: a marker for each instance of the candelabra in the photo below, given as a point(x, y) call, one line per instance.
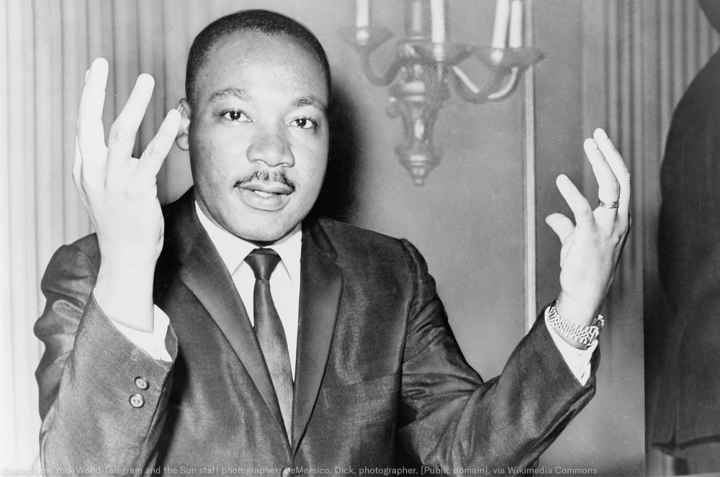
point(425, 67)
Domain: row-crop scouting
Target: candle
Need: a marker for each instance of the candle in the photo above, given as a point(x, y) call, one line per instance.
point(437, 14)
point(362, 13)
point(415, 25)
point(516, 24)
point(500, 29)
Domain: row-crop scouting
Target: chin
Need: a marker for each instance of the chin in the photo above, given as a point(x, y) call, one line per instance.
point(264, 236)
point(255, 230)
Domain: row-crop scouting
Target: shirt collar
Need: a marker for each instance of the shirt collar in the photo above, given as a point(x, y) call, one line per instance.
point(233, 249)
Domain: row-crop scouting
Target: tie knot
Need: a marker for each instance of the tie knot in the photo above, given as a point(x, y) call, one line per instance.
point(262, 261)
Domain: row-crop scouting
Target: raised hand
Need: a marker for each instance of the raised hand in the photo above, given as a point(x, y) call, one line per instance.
point(120, 194)
point(591, 246)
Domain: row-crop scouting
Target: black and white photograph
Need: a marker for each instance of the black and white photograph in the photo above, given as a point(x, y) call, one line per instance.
point(360, 238)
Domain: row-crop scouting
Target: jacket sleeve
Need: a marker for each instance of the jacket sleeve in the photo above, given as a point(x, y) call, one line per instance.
point(455, 422)
point(102, 399)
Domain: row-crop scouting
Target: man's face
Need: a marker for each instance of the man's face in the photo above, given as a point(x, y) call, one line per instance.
point(259, 134)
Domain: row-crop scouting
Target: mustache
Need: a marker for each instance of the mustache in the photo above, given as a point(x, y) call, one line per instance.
point(266, 176)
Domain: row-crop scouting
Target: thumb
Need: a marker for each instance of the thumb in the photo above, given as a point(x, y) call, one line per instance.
point(561, 225)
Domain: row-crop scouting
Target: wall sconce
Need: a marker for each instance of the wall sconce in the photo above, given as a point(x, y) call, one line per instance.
point(424, 66)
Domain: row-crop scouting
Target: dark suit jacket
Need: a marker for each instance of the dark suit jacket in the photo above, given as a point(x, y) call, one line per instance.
point(379, 373)
point(684, 338)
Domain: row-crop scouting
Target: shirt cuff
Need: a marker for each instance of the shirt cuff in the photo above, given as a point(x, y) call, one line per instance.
point(578, 360)
point(152, 342)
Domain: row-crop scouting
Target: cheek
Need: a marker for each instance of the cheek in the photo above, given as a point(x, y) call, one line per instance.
point(310, 158)
point(309, 169)
point(219, 156)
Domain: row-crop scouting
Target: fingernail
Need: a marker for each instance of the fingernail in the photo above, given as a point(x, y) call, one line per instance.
point(601, 133)
point(146, 78)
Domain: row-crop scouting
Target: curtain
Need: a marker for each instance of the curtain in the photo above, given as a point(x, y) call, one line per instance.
point(45, 47)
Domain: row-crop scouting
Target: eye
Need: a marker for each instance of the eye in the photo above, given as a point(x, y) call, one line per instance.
point(304, 123)
point(235, 115)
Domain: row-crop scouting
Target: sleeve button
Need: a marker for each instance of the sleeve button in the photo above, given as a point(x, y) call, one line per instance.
point(136, 400)
point(141, 383)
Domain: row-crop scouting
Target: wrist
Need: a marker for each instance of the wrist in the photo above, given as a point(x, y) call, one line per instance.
point(126, 276)
point(124, 262)
point(578, 336)
point(126, 294)
point(579, 312)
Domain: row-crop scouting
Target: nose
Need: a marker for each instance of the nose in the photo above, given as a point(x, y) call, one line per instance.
point(270, 148)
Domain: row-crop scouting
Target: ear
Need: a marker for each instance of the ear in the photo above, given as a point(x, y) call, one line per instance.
point(183, 138)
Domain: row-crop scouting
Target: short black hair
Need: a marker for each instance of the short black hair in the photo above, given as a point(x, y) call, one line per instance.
point(263, 21)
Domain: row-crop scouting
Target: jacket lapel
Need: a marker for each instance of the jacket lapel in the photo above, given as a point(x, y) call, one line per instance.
point(320, 290)
point(204, 273)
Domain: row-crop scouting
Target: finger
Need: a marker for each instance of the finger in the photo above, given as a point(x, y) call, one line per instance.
point(77, 164)
point(608, 187)
point(90, 132)
point(561, 225)
point(575, 200)
point(77, 176)
point(616, 163)
point(157, 150)
point(122, 133)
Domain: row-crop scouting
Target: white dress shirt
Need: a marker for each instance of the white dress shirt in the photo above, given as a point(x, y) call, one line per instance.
point(285, 290)
point(284, 279)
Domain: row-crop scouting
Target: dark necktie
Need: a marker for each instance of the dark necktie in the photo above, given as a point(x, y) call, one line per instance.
point(270, 333)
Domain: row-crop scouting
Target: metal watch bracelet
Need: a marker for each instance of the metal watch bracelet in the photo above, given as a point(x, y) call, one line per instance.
point(582, 335)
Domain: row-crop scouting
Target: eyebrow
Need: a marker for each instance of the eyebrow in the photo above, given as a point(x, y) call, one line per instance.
point(309, 100)
point(237, 92)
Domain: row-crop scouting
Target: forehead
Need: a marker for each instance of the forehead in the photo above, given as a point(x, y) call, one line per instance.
point(254, 60)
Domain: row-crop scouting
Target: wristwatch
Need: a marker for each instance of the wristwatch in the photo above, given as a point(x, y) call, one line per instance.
point(582, 335)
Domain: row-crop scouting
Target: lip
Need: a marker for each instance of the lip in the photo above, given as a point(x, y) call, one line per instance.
point(267, 187)
point(268, 197)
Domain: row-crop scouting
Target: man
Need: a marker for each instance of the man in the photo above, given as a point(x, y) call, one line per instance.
point(684, 338)
point(231, 333)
